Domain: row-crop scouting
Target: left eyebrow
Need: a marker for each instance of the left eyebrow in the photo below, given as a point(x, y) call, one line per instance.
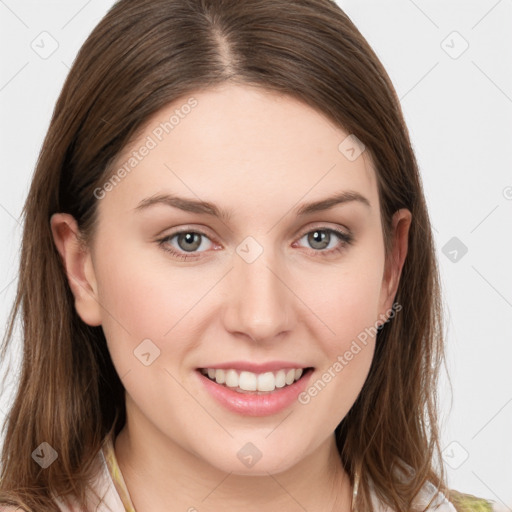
point(207, 208)
point(329, 202)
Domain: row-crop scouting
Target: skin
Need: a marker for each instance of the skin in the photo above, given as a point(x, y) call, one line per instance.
point(261, 155)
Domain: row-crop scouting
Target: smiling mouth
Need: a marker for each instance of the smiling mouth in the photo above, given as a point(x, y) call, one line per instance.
point(255, 383)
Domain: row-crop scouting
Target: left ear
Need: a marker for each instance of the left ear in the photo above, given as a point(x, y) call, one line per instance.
point(401, 223)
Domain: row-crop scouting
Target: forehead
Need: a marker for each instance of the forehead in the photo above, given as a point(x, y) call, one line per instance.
point(237, 145)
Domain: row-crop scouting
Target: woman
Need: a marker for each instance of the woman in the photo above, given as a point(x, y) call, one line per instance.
point(289, 357)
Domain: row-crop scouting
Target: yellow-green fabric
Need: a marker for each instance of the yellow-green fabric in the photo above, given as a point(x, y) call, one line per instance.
point(469, 503)
point(116, 475)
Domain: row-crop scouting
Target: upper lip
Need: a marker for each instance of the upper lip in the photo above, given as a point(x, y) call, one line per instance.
point(250, 366)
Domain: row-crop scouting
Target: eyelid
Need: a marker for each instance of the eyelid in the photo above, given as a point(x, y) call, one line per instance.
point(188, 229)
point(345, 238)
point(325, 227)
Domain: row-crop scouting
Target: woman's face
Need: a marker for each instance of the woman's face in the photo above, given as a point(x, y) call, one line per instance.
point(268, 283)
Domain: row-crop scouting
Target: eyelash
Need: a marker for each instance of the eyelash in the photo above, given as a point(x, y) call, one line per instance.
point(345, 238)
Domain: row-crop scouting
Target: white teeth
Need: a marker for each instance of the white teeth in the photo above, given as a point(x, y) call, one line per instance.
point(280, 379)
point(231, 379)
point(249, 381)
point(290, 377)
point(266, 382)
point(218, 375)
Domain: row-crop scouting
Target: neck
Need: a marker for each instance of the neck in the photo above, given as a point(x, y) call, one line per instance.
point(158, 472)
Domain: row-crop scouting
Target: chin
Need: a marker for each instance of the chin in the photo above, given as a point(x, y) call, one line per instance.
point(259, 465)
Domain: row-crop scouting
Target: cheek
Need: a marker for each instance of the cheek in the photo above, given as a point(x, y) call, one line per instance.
point(346, 298)
point(348, 306)
point(349, 343)
point(142, 292)
point(137, 302)
point(352, 308)
point(130, 293)
point(143, 297)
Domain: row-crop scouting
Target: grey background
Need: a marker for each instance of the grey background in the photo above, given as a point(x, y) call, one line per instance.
point(457, 102)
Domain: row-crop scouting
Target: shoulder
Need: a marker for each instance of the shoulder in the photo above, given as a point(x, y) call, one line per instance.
point(101, 493)
point(429, 499)
point(455, 501)
point(469, 503)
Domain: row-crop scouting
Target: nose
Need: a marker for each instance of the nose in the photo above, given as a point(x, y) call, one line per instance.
point(259, 302)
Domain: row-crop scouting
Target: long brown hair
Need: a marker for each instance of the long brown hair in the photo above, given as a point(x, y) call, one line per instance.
point(141, 56)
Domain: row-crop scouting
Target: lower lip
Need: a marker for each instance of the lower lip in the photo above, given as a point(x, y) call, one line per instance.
point(256, 405)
